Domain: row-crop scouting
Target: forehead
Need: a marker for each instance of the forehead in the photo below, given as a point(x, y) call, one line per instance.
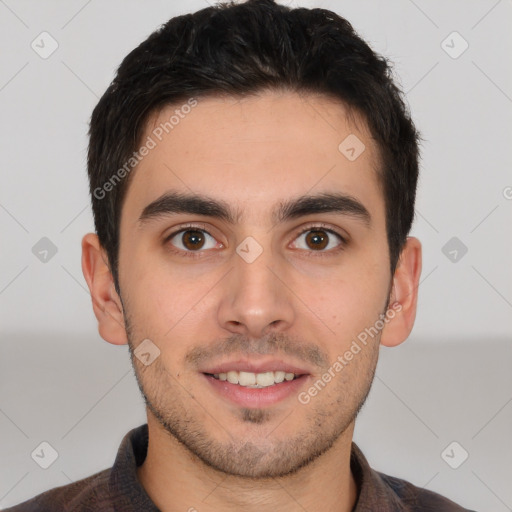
point(253, 152)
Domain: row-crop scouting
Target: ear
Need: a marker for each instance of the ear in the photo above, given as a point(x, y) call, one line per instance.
point(404, 295)
point(106, 303)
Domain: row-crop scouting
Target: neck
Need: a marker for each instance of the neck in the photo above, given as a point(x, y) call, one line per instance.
point(176, 480)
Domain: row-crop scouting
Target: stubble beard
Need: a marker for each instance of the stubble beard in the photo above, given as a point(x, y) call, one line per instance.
point(265, 457)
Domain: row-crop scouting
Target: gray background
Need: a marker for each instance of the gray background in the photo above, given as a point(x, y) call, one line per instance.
point(451, 381)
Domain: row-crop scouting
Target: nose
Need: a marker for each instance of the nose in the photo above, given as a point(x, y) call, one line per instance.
point(257, 297)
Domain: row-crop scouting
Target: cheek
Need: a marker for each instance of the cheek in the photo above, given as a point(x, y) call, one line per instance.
point(351, 303)
point(171, 312)
point(159, 294)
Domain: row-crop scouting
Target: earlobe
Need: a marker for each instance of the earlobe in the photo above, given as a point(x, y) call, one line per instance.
point(405, 293)
point(106, 302)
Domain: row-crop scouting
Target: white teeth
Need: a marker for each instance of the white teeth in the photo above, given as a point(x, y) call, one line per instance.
point(232, 377)
point(278, 377)
point(246, 379)
point(265, 379)
point(255, 380)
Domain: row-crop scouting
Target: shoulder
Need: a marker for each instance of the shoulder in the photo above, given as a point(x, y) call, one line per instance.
point(416, 499)
point(386, 493)
point(85, 495)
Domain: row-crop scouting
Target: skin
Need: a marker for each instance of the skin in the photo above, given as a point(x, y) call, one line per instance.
point(205, 451)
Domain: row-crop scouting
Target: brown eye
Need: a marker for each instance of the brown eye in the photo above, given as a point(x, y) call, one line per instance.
point(318, 239)
point(191, 240)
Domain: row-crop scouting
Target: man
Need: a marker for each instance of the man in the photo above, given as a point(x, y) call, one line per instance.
point(253, 173)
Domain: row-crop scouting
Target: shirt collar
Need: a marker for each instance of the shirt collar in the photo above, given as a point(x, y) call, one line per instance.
point(127, 492)
point(374, 493)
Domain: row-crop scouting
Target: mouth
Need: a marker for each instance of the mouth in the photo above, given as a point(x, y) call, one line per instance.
point(255, 380)
point(255, 385)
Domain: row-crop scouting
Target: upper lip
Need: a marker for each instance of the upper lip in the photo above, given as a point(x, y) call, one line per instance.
point(255, 366)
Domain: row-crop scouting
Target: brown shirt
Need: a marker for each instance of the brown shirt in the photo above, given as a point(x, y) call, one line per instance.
point(118, 490)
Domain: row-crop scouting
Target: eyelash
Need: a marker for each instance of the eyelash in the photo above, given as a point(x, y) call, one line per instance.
point(313, 227)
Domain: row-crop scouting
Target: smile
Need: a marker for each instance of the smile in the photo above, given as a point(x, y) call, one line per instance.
point(255, 380)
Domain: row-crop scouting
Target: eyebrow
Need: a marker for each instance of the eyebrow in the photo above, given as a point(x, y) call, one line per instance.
point(172, 203)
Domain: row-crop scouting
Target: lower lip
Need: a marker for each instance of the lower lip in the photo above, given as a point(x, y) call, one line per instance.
point(256, 397)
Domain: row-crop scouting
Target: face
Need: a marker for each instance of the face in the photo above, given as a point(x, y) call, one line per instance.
point(255, 286)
